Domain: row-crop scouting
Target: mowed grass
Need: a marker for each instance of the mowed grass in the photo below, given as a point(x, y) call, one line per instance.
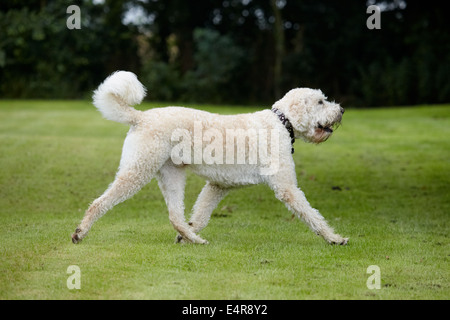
point(382, 180)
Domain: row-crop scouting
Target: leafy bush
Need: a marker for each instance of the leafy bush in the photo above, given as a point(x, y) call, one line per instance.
point(216, 58)
point(163, 81)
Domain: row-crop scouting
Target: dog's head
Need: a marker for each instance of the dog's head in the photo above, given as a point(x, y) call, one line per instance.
point(313, 117)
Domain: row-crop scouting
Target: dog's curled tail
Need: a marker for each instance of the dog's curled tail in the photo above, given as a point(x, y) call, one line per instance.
point(115, 97)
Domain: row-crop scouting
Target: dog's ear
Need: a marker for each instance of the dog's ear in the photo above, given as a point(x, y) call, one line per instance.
point(297, 100)
point(291, 100)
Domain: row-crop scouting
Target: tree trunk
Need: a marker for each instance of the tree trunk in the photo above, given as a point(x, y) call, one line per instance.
point(278, 34)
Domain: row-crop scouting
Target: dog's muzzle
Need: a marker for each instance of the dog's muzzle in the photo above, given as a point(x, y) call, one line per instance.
point(324, 130)
point(330, 127)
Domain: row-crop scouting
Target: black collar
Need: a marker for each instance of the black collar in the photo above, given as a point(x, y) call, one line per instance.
point(287, 124)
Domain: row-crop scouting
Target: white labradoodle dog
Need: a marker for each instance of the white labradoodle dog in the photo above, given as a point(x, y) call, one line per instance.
point(154, 148)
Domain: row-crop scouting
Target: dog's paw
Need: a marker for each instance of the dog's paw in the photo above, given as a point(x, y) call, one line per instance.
point(198, 240)
point(180, 239)
point(332, 238)
point(77, 236)
point(203, 241)
point(339, 241)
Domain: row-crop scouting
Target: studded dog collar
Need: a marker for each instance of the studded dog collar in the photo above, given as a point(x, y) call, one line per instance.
point(287, 124)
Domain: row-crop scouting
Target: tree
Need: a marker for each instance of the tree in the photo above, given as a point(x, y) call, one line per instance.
point(255, 50)
point(41, 57)
point(278, 35)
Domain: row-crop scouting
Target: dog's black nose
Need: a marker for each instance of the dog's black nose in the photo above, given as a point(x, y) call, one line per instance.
point(342, 110)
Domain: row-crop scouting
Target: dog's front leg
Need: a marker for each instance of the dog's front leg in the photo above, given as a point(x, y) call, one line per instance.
point(296, 202)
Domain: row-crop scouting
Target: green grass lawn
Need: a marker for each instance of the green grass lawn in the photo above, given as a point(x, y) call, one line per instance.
point(382, 180)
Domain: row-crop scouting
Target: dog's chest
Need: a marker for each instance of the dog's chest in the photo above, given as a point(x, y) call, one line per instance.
point(228, 175)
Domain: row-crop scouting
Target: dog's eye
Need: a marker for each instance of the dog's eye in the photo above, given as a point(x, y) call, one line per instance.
point(320, 101)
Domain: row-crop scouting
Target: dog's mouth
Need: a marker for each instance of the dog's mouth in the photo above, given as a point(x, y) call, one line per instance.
point(327, 128)
point(324, 131)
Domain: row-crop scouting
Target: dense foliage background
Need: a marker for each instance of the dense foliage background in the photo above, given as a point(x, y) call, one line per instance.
point(229, 51)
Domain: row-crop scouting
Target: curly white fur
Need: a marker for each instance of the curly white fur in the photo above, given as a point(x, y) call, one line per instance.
point(116, 94)
point(148, 153)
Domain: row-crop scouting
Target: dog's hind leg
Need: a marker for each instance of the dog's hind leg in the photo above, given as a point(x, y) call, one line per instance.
point(126, 184)
point(171, 181)
point(136, 170)
point(206, 202)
